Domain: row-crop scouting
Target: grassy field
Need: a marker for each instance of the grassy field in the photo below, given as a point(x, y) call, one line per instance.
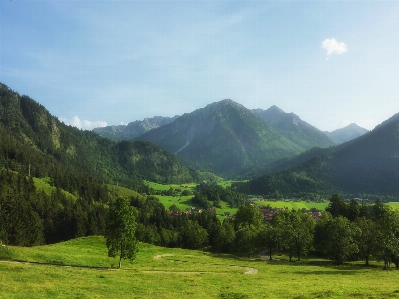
point(177, 273)
point(43, 184)
point(294, 204)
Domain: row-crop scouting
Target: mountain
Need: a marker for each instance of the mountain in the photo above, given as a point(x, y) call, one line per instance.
point(368, 164)
point(133, 129)
point(347, 133)
point(293, 128)
point(224, 137)
point(30, 135)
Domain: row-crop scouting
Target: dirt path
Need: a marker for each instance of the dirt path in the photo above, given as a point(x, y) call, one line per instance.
point(60, 266)
point(249, 270)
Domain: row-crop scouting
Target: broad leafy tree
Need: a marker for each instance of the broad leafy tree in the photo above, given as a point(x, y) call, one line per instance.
point(336, 238)
point(296, 232)
point(248, 216)
point(269, 238)
point(120, 232)
point(367, 240)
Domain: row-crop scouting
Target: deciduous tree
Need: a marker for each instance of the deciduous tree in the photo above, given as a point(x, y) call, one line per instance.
point(120, 232)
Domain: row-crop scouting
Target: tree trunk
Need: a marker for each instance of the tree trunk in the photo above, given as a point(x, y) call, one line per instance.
point(270, 254)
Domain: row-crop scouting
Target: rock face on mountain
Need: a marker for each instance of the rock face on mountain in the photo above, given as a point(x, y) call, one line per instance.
point(347, 133)
point(224, 137)
point(368, 164)
point(293, 128)
point(133, 129)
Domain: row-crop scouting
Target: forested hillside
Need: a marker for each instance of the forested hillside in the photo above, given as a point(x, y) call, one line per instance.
point(30, 135)
point(366, 165)
point(33, 143)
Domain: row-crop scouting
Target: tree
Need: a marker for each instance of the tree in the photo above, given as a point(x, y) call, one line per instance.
point(193, 236)
point(248, 220)
point(337, 207)
point(225, 236)
point(335, 238)
point(388, 238)
point(248, 216)
point(121, 228)
point(296, 231)
point(269, 238)
point(367, 240)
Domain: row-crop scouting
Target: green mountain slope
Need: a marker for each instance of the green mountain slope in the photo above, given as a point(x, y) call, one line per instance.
point(366, 165)
point(29, 134)
point(293, 128)
point(224, 137)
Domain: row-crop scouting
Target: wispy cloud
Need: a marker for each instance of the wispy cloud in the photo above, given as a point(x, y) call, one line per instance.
point(83, 124)
point(332, 46)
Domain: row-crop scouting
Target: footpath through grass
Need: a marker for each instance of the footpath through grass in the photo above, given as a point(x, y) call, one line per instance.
point(179, 273)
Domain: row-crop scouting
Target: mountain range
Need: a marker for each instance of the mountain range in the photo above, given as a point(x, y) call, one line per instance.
point(133, 129)
point(228, 139)
point(223, 137)
point(212, 139)
point(368, 164)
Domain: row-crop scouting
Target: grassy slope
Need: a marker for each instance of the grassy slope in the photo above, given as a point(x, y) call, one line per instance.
point(43, 184)
point(185, 274)
point(184, 203)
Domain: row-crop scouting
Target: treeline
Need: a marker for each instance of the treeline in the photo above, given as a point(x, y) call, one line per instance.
point(30, 217)
point(344, 232)
point(210, 194)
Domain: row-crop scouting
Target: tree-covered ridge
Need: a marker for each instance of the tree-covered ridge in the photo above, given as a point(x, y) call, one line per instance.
point(366, 165)
point(31, 135)
point(224, 137)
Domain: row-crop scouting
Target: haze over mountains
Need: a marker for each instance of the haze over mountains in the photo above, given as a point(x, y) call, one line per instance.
point(345, 134)
point(228, 139)
point(293, 128)
point(223, 137)
point(366, 165)
point(133, 129)
point(212, 138)
point(289, 124)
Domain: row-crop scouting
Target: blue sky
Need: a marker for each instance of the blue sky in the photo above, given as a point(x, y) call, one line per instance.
point(92, 63)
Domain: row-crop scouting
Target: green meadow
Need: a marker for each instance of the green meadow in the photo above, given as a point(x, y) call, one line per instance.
point(43, 184)
point(80, 268)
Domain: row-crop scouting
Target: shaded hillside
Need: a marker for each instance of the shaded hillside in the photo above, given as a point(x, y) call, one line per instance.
point(29, 134)
point(133, 129)
point(293, 128)
point(347, 133)
point(224, 137)
point(368, 165)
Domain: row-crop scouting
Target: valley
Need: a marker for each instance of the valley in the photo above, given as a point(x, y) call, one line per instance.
point(214, 195)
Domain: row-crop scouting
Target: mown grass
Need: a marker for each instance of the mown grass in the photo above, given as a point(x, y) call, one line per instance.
point(181, 274)
point(43, 184)
point(294, 204)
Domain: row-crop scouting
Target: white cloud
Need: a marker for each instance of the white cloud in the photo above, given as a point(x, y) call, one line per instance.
point(83, 124)
point(332, 46)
